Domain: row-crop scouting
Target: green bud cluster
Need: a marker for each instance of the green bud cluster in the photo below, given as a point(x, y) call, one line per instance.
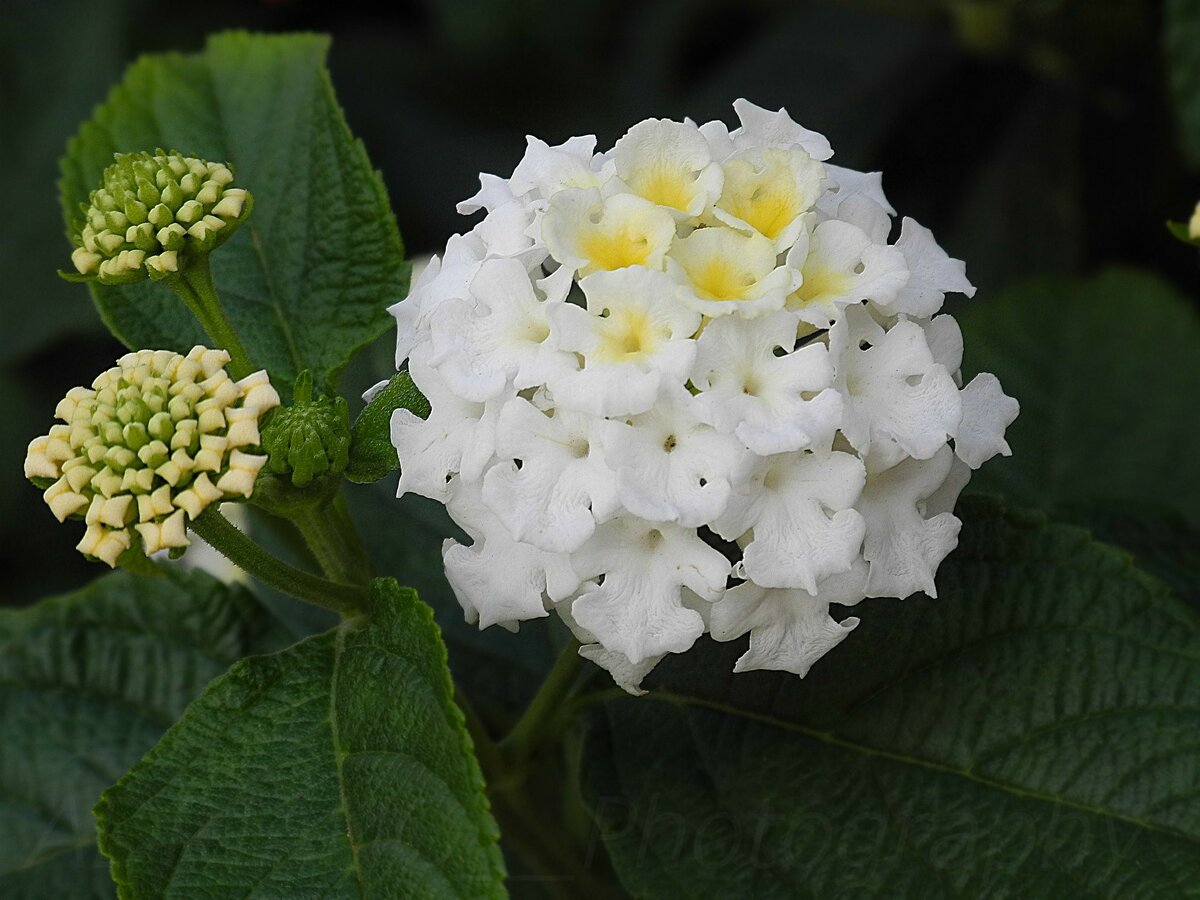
point(310, 438)
point(156, 438)
point(153, 214)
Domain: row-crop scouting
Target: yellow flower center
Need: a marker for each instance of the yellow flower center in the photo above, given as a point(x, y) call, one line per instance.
point(615, 249)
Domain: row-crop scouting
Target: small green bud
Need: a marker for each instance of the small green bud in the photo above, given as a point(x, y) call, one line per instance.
point(310, 438)
point(154, 213)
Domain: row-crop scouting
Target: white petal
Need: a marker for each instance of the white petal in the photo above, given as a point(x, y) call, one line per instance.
point(670, 466)
point(545, 170)
point(721, 271)
point(498, 580)
point(892, 386)
point(493, 192)
point(843, 265)
point(763, 128)
point(789, 629)
point(770, 191)
point(987, 412)
point(902, 546)
point(848, 183)
point(933, 273)
point(503, 230)
point(638, 609)
point(562, 485)
point(945, 343)
point(445, 278)
point(800, 507)
point(458, 437)
point(498, 337)
point(772, 403)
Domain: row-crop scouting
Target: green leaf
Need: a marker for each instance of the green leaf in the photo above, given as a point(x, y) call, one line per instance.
point(307, 279)
point(1182, 232)
point(1182, 32)
point(1107, 373)
point(88, 683)
point(1161, 542)
point(1030, 733)
point(372, 455)
point(339, 767)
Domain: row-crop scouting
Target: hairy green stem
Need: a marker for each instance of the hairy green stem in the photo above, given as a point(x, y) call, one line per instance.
point(564, 868)
point(544, 713)
point(333, 540)
point(223, 535)
point(195, 287)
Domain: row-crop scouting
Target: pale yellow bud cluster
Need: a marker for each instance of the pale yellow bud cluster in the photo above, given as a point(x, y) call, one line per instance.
point(154, 441)
point(152, 212)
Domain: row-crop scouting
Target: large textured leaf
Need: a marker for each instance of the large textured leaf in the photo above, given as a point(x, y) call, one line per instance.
point(307, 279)
point(1107, 374)
point(1182, 32)
point(337, 768)
point(1031, 733)
point(88, 683)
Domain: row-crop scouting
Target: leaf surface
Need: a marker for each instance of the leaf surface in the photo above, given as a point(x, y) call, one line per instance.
point(307, 279)
point(88, 682)
point(339, 767)
point(1030, 733)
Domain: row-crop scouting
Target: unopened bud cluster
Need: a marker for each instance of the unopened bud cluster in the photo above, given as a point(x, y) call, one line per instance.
point(155, 439)
point(154, 212)
point(310, 438)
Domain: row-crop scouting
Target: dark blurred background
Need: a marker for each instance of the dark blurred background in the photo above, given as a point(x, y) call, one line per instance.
point(1032, 136)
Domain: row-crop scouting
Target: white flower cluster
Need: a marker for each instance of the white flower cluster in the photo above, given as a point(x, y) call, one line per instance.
point(687, 385)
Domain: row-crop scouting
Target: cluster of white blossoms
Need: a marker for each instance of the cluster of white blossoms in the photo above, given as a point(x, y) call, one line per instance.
point(149, 445)
point(688, 385)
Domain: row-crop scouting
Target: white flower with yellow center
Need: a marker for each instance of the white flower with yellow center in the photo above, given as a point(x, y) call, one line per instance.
point(668, 163)
point(721, 270)
point(590, 233)
point(630, 337)
point(692, 383)
point(839, 264)
point(770, 191)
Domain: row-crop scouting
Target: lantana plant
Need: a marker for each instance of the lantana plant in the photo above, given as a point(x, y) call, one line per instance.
point(691, 389)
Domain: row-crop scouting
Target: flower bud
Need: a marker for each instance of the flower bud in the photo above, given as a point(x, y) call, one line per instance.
point(153, 213)
point(310, 438)
point(154, 441)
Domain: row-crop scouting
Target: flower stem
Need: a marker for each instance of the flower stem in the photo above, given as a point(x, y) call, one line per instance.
point(223, 535)
point(565, 869)
point(195, 287)
point(545, 710)
point(330, 534)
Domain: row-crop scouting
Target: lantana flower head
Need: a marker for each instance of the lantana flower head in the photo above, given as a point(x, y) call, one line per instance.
point(153, 441)
point(696, 383)
point(153, 213)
